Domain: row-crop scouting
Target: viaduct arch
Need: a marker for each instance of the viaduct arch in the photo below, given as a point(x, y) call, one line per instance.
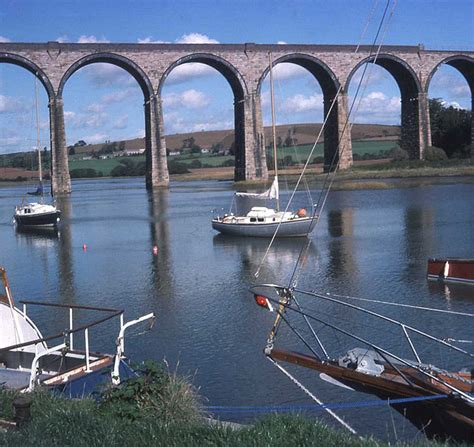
point(244, 66)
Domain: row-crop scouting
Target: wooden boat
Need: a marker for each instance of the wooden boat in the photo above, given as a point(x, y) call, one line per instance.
point(28, 361)
point(451, 270)
point(437, 401)
point(261, 221)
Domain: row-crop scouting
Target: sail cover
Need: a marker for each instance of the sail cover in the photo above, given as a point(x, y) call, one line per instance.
point(244, 201)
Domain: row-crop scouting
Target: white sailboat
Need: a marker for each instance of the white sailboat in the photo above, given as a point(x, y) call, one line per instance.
point(37, 214)
point(261, 221)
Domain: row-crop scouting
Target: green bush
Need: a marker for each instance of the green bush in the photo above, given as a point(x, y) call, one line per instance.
point(398, 154)
point(85, 173)
point(227, 163)
point(433, 153)
point(175, 167)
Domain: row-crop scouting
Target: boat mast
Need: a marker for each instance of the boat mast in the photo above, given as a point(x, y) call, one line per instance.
point(272, 97)
point(38, 134)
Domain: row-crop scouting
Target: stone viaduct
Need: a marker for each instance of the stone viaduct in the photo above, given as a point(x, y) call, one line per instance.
point(244, 66)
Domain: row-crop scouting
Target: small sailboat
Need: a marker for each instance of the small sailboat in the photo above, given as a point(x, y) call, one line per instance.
point(62, 362)
point(252, 218)
point(37, 214)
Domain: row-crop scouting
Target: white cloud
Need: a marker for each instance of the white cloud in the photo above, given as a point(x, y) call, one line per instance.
point(149, 39)
point(453, 104)
point(62, 39)
point(140, 133)
point(4, 39)
point(119, 96)
point(10, 141)
point(189, 99)
point(88, 119)
point(373, 75)
point(211, 125)
point(449, 84)
point(300, 103)
point(106, 75)
point(95, 108)
point(185, 38)
point(121, 122)
point(195, 38)
point(95, 138)
point(376, 107)
point(11, 105)
point(286, 70)
point(9, 137)
point(92, 39)
point(188, 71)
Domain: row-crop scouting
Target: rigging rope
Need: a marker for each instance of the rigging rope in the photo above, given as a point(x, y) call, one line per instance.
point(332, 172)
point(312, 396)
point(430, 309)
point(301, 176)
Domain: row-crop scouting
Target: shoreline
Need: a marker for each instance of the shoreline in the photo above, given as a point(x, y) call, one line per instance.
point(363, 175)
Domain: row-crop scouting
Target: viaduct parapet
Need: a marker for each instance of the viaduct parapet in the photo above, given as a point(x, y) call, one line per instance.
point(244, 66)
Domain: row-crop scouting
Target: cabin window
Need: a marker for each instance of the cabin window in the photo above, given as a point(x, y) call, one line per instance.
point(261, 219)
point(252, 219)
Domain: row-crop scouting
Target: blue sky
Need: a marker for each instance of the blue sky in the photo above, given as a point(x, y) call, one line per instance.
point(103, 102)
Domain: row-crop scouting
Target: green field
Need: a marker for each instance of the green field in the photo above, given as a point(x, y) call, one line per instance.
point(298, 154)
point(358, 147)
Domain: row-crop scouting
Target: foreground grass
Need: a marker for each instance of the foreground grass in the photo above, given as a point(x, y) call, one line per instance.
point(158, 409)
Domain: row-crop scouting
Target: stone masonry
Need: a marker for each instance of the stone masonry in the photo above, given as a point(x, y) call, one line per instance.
point(244, 66)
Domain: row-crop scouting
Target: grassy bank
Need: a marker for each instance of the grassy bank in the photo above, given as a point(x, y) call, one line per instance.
point(158, 409)
point(369, 172)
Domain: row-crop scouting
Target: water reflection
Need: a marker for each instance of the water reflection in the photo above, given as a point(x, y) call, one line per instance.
point(418, 239)
point(458, 292)
point(64, 259)
point(37, 237)
point(279, 262)
point(341, 261)
point(161, 279)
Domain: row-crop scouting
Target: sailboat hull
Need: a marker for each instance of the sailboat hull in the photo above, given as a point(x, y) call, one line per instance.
point(38, 219)
point(289, 228)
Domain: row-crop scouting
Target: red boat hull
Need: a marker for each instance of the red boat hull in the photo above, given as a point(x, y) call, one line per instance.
point(451, 270)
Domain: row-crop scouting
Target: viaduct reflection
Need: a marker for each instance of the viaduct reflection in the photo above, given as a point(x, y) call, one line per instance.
point(161, 277)
point(341, 259)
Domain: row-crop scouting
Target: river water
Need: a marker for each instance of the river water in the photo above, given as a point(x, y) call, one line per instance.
point(368, 243)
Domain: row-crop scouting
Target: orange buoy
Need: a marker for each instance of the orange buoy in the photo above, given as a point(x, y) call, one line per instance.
point(301, 212)
point(155, 250)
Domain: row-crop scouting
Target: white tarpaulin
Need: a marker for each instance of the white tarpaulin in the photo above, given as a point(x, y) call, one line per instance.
point(271, 193)
point(245, 201)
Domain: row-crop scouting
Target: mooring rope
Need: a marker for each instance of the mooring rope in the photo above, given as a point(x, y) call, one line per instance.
point(310, 407)
point(312, 396)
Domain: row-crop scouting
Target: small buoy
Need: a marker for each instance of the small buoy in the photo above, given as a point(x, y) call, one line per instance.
point(84, 247)
point(155, 250)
